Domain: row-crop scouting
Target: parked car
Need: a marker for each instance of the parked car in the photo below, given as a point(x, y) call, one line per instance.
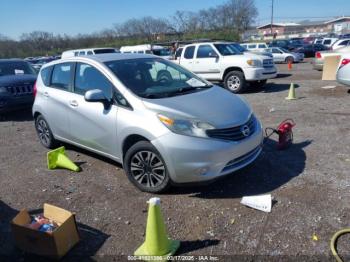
point(89, 51)
point(37, 63)
point(17, 79)
point(255, 46)
point(343, 73)
point(241, 49)
point(310, 50)
point(341, 43)
point(279, 43)
point(320, 56)
point(219, 61)
point(148, 49)
point(163, 123)
point(326, 41)
point(281, 55)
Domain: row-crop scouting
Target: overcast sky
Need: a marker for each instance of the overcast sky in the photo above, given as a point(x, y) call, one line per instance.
point(86, 16)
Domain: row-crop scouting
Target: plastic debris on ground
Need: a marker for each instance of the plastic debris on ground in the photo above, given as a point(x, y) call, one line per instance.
point(262, 203)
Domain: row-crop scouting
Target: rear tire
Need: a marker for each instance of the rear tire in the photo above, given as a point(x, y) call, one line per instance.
point(234, 81)
point(44, 133)
point(146, 168)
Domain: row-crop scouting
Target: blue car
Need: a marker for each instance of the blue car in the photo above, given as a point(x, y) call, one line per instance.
point(17, 78)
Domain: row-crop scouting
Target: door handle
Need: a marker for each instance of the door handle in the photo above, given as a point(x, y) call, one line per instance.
point(73, 103)
point(46, 94)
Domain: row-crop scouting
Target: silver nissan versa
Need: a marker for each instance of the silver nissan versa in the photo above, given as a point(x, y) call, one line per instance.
point(163, 123)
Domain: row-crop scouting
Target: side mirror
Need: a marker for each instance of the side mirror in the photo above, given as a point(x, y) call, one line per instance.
point(214, 55)
point(97, 95)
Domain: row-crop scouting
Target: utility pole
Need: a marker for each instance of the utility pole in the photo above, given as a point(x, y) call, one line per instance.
point(272, 17)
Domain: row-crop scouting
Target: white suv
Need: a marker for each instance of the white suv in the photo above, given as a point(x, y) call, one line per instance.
point(222, 61)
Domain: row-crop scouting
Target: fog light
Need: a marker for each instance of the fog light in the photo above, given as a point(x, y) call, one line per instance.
point(202, 171)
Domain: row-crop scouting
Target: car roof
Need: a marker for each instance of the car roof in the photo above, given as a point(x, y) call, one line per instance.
point(102, 58)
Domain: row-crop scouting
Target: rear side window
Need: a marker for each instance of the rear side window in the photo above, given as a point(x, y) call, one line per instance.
point(88, 77)
point(189, 52)
point(251, 46)
point(61, 76)
point(82, 53)
point(262, 46)
point(205, 51)
point(45, 75)
point(90, 53)
point(327, 42)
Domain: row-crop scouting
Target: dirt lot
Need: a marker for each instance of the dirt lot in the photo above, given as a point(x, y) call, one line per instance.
point(309, 183)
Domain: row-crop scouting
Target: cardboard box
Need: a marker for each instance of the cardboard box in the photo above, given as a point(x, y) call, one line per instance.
point(55, 244)
point(330, 67)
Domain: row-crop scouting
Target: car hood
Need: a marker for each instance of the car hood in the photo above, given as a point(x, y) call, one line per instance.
point(17, 80)
point(215, 106)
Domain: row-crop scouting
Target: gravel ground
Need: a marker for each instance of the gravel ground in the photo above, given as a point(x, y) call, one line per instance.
point(309, 183)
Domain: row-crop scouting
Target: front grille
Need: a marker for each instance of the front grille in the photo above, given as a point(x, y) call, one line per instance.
point(234, 133)
point(268, 63)
point(20, 90)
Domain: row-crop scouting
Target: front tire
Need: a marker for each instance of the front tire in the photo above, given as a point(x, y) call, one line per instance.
point(146, 168)
point(234, 81)
point(44, 133)
point(289, 59)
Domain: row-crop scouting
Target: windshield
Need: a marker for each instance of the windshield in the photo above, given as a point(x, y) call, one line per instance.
point(162, 52)
point(227, 49)
point(155, 77)
point(284, 50)
point(16, 68)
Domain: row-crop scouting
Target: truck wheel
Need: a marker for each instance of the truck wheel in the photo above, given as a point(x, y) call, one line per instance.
point(258, 84)
point(289, 59)
point(234, 81)
point(146, 168)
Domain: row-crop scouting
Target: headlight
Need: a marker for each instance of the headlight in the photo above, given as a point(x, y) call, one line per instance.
point(254, 63)
point(189, 127)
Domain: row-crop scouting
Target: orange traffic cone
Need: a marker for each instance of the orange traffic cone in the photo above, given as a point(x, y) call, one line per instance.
point(290, 65)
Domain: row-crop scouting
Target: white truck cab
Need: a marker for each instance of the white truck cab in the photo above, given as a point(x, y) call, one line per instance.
point(221, 61)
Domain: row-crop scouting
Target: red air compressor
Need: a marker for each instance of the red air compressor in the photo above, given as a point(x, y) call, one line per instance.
point(284, 132)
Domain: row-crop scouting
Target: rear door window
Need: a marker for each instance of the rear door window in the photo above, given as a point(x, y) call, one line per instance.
point(262, 46)
point(205, 51)
point(189, 52)
point(62, 75)
point(251, 46)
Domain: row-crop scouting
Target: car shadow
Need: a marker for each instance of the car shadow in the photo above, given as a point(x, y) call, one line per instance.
point(271, 170)
point(283, 75)
point(189, 246)
point(91, 240)
point(18, 115)
point(274, 87)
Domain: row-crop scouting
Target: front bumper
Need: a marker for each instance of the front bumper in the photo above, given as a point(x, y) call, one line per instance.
point(8, 103)
point(256, 74)
point(191, 159)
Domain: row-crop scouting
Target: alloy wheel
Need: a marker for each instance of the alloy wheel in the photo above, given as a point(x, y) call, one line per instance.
point(147, 169)
point(43, 132)
point(233, 83)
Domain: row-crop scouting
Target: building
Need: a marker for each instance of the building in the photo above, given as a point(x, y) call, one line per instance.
point(340, 25)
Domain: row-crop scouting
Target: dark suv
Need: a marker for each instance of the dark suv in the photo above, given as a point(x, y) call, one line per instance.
point(17, 78)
